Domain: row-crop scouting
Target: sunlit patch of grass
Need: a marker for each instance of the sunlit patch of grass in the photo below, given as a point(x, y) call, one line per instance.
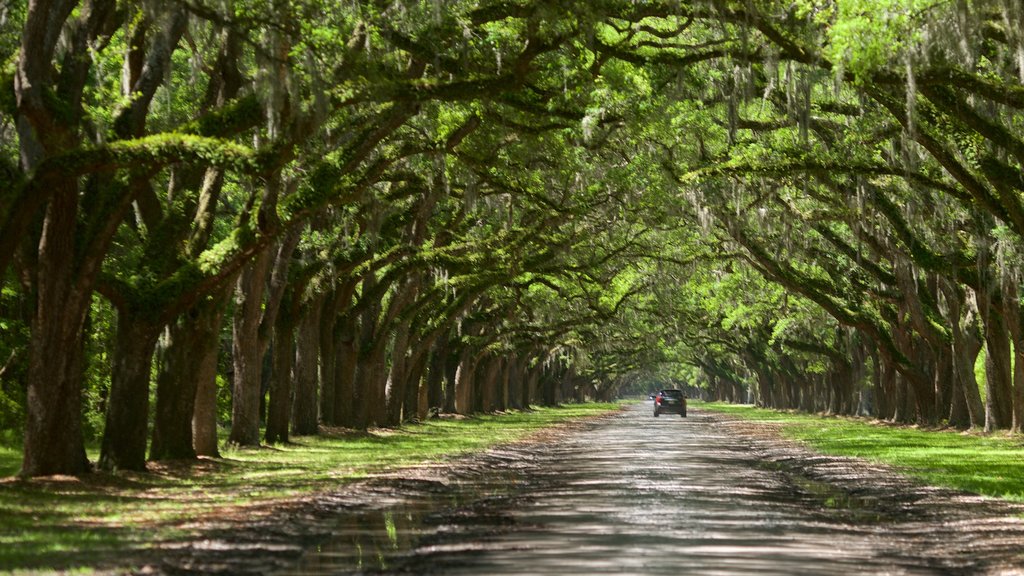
point(990, 464)
point(70, 524)
point(10, 461)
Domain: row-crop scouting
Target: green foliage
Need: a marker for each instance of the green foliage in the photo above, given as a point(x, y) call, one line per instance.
point(96, 383)
point(867, 35)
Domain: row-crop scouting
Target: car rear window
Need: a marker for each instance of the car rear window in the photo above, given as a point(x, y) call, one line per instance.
point(672, 393)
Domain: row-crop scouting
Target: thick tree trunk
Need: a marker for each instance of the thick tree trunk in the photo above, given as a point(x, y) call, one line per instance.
point(944, 377)
point(998, 378)
point(394, 393)
point(306, 409)
point(189, 356)
point(125, 433)
point(254, 322)
point(998, 375)
point(966, 347)
point(247, 354)
point(415, 394)
point(515, 383)
point(53, 431)
point(1014, 317)
point(530, 388)
point(369, 364)
point(370, 376)
point(347, 356)
point(464, 378)
point(206, 348)
point(279, 407)
point(766, 388)
point(487, 380)
point(550, 385)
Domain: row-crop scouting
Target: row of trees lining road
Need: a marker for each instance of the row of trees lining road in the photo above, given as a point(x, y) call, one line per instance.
point(276, 215)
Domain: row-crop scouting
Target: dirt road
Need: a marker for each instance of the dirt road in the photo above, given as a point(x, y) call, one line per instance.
point(633, 494)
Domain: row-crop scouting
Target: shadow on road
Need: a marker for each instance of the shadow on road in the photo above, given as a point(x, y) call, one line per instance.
point(637, 495)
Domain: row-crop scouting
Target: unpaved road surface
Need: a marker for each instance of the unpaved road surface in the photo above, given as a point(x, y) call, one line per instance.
point(634, 494)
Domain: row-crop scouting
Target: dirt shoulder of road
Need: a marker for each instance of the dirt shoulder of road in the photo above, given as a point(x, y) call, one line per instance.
point(973, 533)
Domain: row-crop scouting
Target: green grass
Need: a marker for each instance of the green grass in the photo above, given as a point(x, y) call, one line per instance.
point(990, 464)
point(103, 519)
point(10, 461)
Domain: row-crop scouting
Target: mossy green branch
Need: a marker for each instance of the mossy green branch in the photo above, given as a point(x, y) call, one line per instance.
point(238, 116)
point(149, 152)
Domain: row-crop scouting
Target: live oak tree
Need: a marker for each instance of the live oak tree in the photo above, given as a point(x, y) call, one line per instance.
point(406, 208)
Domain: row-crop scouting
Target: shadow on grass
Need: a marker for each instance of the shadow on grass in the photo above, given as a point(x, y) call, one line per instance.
point(63, 523)
point(116, 519)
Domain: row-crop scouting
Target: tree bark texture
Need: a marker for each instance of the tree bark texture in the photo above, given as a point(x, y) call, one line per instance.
point(207, 344)
point(125, 432)
point(279, 407)
point(1014, 319)
point(185, 419)
point(998, 374)
point(397, 379)
point(247, 355)
point(347, 354)
point(306, 409)
point(464, 378)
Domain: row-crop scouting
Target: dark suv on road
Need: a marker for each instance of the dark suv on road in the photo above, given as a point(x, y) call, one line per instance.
point(671, 401)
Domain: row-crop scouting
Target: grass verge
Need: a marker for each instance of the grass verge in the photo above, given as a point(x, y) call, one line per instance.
point(990, 464)
point(72, 524)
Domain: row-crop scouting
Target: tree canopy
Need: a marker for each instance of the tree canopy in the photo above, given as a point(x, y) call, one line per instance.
point(269, 215)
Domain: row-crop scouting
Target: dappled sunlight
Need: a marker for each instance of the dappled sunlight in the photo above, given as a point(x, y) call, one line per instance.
point(668, 496)
point(89, 518)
